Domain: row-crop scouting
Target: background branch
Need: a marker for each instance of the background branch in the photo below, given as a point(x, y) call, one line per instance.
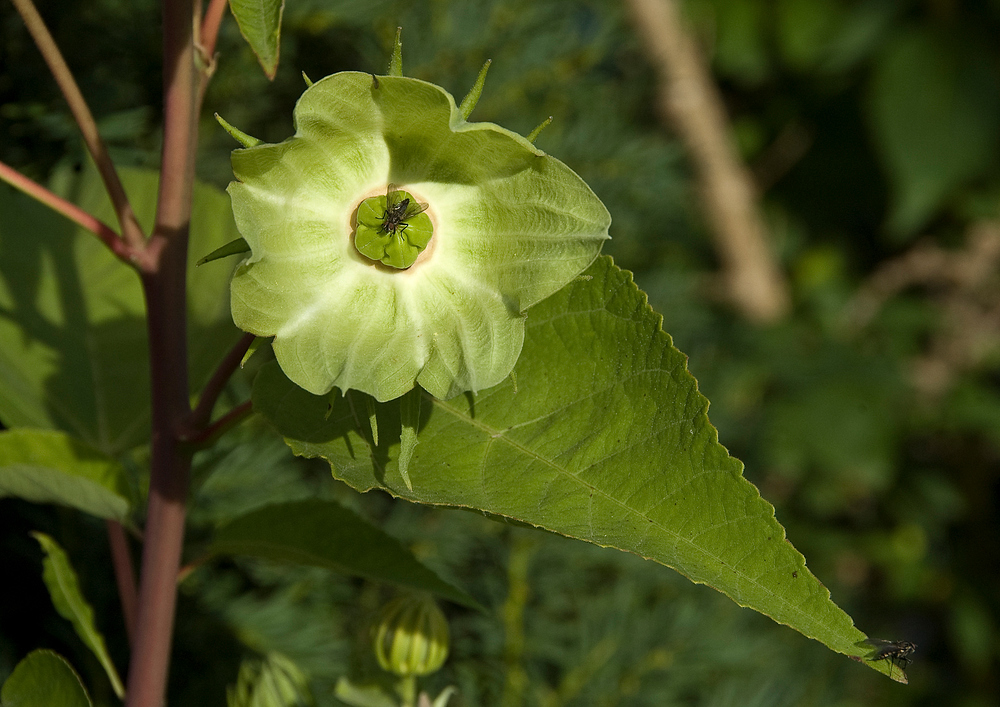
point(964, 285)
point(690, 99)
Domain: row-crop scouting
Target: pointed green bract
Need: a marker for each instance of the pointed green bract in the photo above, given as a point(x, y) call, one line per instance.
point(396, 61)
point(472, 97)
point(372, 418)
point(533, 135)
point(607, 440)
point(234, 247)
point(237, 134)
point(511, 226)
point(409, 418)
point(254, 347)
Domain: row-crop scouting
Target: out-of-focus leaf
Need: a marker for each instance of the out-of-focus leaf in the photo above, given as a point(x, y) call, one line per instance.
point(832, 426)
point(44, 466)
point(606, 439)
point(260, 25)
point(73, 351)
point(44, 679)
point(325, 534)
point(740, 46)
point(860, 32)
point(805, 28)
point(828, 35)
point(934, 106)
point(64, 588)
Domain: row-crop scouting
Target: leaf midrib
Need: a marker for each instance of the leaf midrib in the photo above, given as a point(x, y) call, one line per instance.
point(496, 434)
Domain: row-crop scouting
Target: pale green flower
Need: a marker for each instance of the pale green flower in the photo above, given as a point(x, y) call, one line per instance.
point(510, 225)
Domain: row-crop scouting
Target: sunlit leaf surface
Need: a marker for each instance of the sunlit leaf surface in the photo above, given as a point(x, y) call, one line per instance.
point(604, 438)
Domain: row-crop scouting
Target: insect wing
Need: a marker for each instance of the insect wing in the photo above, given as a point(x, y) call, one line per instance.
point(392, 197)
point(413, 209)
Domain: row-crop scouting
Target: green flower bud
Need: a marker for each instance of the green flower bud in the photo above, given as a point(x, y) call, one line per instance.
point(273, 682)
point(361, 291)
point(411, 636)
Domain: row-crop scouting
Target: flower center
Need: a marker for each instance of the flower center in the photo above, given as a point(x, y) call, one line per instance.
point(393, 228)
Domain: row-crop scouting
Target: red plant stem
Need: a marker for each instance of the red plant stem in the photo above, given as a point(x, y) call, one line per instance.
point(147, 677)
point(131, 231)
point(204, 437)
point(163, 277)
point(210, 27)
point(210, 394)
point(69, 210)
point(121, 560)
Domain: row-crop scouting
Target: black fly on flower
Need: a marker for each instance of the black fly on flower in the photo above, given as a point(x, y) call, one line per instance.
point(398, 210)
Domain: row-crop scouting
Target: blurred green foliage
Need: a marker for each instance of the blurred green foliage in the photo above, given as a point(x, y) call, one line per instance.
point(870, 124)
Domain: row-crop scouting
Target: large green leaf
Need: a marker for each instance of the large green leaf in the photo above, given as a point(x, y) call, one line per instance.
point(44, 679)
point(52, 467)
point(64, 588)
point(604, 437)
point(325, 534)
point(73, 351)
point(934, 108)
point(260, 25)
